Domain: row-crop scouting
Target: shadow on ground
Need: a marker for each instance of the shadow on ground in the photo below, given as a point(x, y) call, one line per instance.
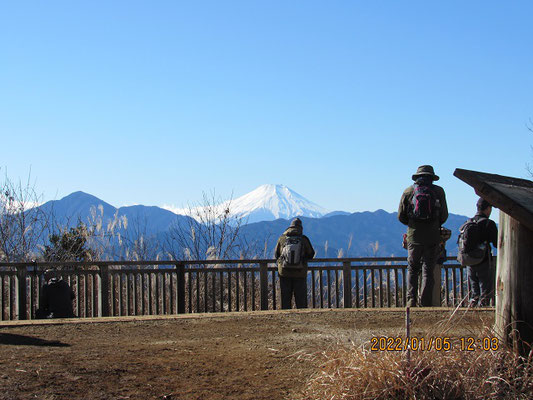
point(21, 340)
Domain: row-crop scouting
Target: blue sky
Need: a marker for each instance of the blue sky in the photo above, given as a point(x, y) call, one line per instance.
point(153, 103)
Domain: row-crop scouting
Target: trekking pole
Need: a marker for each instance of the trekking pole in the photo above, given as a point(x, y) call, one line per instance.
point(408, 335)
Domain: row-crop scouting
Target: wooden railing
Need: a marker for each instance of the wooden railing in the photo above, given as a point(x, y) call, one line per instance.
point(117, 288)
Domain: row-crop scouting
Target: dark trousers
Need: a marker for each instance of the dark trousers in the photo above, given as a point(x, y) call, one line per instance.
point(290, 286)
point(481, 278)
point(421, 258)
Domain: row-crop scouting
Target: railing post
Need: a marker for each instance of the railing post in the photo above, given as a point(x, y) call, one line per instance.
point(104, 290)
point(347, 283)
point(180, 273)
point(22, 292)
point(263, 285)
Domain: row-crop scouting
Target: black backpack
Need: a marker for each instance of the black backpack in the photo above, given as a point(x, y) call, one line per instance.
point(471, 250)
point(423, 203)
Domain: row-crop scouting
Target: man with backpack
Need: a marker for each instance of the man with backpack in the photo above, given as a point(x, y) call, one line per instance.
point(475, 237)
point(423, 209)
point(292, 252)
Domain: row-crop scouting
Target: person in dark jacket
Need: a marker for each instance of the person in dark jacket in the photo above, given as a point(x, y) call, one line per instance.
point(56, 297)
point(482, 276)
point(423, 235)
point(293, 250)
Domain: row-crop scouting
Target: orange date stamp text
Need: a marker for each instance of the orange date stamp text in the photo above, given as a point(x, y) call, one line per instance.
point(433, 343)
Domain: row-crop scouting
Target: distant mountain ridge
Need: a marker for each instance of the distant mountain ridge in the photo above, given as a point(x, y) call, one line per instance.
point(76, 204)
point(84, 207)
point(360, 234)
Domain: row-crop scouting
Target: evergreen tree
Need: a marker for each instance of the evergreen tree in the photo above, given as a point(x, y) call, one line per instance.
point(70, 245)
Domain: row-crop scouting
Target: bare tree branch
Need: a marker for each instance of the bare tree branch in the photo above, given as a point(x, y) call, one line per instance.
point(23, 225)
point(211, 231)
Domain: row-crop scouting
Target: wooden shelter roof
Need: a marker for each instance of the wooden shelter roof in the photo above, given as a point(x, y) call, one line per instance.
point(513, 196)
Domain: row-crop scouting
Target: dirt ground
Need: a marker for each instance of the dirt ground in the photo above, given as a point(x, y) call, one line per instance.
point(259, 355)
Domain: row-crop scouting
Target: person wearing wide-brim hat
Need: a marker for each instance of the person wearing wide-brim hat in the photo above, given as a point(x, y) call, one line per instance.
point(423, 209)
point(425, 171)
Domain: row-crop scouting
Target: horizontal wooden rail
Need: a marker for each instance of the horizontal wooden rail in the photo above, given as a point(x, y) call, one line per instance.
point(48, 264)
point(115, 288)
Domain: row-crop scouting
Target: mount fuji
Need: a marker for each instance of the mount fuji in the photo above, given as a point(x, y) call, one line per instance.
point(267, 203)
point(270, 202)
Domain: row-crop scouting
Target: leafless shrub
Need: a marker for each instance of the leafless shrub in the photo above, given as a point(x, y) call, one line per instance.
point(104, 236)
point(212, 231)
point(23, 225)
point(139, 244)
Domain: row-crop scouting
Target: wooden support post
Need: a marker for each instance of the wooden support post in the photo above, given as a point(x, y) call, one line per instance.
point(22, 292)
point(347, 283)
point(514, 280)
point(263, 285)
point(180, 272)
point(104, 291)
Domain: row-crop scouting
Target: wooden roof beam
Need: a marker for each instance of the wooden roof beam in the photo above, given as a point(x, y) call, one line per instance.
point(513, 196)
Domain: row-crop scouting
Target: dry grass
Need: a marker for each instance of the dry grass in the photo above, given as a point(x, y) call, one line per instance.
point(356, 372)
point(362, 374)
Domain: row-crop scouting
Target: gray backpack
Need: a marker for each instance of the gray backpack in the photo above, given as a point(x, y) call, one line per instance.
point(291, 253)
point(471, 250)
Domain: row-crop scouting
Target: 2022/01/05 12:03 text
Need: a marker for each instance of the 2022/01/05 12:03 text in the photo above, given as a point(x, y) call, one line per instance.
point(436, 343)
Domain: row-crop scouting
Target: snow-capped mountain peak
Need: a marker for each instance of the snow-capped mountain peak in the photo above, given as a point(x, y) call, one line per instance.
point(269, 202)
point(265, 203)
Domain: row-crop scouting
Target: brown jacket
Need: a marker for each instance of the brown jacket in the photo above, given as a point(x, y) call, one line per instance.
point(307, 253)
point(423, 232)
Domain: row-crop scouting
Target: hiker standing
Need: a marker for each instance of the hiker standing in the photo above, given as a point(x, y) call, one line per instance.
point(56, 297)
point(476, 235)
point(292, 252)
point(423, 209)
